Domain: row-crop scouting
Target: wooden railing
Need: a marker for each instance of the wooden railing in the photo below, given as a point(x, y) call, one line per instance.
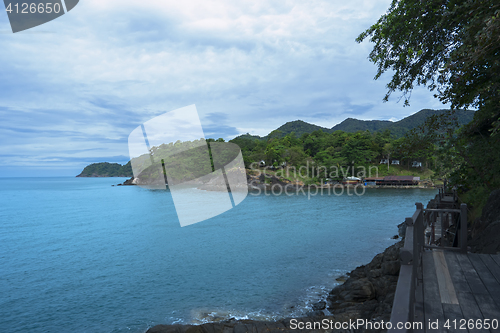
point(410, 274)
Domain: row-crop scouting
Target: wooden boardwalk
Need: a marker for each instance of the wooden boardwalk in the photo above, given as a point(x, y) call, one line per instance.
point(459, 291)
point(441, 286)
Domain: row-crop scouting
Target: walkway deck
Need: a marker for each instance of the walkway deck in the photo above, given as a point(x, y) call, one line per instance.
point(459, 289)
point(444, 288)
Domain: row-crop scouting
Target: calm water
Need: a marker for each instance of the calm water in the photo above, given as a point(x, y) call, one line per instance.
point(77, 254)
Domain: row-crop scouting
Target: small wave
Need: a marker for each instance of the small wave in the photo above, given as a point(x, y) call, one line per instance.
point(297, 308)
point(202, 316)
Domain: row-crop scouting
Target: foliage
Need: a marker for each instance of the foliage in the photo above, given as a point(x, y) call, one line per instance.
point(449, 46)
point(453, 48)
point(106, 169)
point(397, 128)
point(319, 149)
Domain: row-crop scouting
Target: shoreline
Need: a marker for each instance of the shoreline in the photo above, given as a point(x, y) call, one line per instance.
point(365, 292)
point(258, 186)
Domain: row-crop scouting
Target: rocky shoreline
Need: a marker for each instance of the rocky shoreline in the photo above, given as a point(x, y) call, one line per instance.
point(268, 182)
point(367, 293)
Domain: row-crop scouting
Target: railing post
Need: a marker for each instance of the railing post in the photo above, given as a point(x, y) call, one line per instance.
point(405, 254)
point(463, 228)
point(419, 224)
point(433, 228)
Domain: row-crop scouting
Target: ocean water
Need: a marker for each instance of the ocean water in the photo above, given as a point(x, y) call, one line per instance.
point(78, 255)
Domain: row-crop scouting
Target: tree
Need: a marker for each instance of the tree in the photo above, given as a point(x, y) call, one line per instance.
point(450, 46)
point(453, 48)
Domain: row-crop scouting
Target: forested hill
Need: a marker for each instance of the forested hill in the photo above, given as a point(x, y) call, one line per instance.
point(299, 127)
point(106, 169)
point(350, 125)
point(398, 128)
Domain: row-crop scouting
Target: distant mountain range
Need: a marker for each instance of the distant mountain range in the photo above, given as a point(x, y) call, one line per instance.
point(397, 128)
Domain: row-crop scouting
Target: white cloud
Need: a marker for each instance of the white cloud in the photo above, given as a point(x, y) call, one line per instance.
point(107, 66)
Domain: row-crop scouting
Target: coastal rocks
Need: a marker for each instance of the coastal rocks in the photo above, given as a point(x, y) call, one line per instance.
point(305, 324)
point(357, 291)
point(486, 230)
point(235, 326)
point(369, 291)
point(319, 306)
point(265, 180)
point(367, 294)
point(131, 181)
point(402, 230)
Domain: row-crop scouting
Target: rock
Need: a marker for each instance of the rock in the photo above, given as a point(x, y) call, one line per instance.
point(319, 306)
point(342, 278)
point(358, 290)
point(395, 237)
point(391, 267)
point(131, 181)
point(402, 230)
point(317, 313)
point(367, 293)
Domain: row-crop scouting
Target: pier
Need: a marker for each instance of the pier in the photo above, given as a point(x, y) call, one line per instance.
point(442, 287)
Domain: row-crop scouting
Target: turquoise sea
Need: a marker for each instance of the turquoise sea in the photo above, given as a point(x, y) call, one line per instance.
point(78, 255)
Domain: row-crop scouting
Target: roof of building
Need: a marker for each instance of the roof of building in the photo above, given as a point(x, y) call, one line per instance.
point(399, 178)
point(374, 178)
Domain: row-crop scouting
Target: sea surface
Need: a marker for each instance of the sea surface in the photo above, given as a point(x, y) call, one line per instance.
point(79, 255)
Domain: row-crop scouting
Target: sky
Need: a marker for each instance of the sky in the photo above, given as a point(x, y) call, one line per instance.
point(73, 89)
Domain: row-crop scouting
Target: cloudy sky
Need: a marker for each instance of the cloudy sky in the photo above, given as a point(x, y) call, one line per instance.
point(73, 89)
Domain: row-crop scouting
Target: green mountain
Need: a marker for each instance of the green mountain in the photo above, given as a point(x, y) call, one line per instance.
point(299, 127)
point(106, 169)
point(351, 125)
point(398, 128)
point(248, 142)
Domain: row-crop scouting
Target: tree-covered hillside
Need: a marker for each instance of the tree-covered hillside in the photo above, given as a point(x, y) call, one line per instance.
point(299, 127)
point(452, 48)
point(351, 125)
point(106, 169)
point(297, 143)
point(399, 128)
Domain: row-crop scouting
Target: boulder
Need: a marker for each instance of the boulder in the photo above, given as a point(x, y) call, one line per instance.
point(319, 306)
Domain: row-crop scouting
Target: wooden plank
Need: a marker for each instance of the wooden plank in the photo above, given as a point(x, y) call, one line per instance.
point(492, 265)
point(453, 312)
point(444, 210)
point(489, 308)
point(470, 309)
point(457, 275)
point(496, 258)
point(419, 307)
point(401, 305)
point(475, 283)
point(485, 275)
point(446, 288)
point(432, 302)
